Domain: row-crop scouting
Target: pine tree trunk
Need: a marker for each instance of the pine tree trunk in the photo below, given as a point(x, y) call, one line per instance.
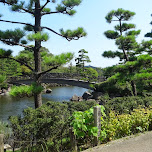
point(133, 85)
point(134, 88)
point(37, 55)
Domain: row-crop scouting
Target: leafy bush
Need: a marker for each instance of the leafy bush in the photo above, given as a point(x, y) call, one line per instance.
point(25, 90)
point(83, 125)
point(5, 129)
point(47, 126)
point(117, 126)
point(125, 104)
point(3, 83)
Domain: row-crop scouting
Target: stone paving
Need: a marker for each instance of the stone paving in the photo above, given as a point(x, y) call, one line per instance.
point(136, 143)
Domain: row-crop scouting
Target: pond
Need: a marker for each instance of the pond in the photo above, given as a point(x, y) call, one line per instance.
point(14, 106)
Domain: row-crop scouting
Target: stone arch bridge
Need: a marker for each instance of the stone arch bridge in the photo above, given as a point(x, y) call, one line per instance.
point(59, 78)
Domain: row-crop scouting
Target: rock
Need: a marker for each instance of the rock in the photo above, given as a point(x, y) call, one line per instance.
point(7, 146)
point(76, 98)
point(4, 90)
point(97, 95)
point(48, 91)
point(86, 95)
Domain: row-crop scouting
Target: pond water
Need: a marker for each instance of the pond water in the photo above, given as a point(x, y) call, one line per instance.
point(14, 106)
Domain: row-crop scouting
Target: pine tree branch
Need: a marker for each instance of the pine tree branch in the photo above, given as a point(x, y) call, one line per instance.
point(117, 20)
point(45, 4)
point(51, 30)
point(69, 39)
point(22, 63)
point(16, 22)
point(14, 43)
point(54, 32)
point(44, 72)
point(47, 13)
point(9, 3)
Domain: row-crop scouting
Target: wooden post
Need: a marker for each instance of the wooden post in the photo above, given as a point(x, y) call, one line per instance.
point(73, 140)
point(1, 143)
point(97, 123)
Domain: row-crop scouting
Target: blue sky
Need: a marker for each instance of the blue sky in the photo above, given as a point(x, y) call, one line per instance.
point(91, 16)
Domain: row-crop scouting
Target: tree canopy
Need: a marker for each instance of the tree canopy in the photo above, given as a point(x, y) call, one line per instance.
point(36, 33)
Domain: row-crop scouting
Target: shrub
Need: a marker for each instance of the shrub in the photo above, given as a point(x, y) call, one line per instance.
point(125, 104)
point(121, 125)
point(47, 126)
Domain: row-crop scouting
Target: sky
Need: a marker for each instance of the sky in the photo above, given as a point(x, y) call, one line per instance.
point(91, 16)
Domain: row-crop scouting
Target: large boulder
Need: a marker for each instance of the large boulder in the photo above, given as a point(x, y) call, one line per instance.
point(48, 91)
point(87, 95)
point(76, 98)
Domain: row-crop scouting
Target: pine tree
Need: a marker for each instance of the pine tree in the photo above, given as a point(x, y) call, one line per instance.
point(124, 36)
point(38, 9)
point(82, 59)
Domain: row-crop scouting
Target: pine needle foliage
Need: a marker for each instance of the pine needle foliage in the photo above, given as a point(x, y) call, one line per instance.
point(35, 32)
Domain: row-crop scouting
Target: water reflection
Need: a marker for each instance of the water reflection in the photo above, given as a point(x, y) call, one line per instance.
point(14, 106)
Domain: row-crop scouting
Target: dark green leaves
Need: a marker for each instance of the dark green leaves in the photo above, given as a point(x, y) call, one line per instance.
point(28, 28)
point(11, 37)
point(119, 14)
point(112, 54)
point(148, 35)
point(5, 53)
point(17, 7)
point(67, 7)
point(124, 27)
point(127, 43)
point(133, 32)
point(71, 3)
point(111, 34)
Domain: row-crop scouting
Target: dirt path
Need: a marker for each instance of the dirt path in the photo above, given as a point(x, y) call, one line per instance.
point(137, 143)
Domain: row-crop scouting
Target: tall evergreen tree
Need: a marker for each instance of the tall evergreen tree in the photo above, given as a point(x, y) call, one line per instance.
point(124, 36)
point(82, 59)
point(38, 9)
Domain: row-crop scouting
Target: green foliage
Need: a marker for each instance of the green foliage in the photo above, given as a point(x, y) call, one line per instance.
point(112, 54)
point(41, 125)
point(75, 34)
point(48, 124)
point(5, 53)
point(38, 9)
point(38, 36)
point(89, 74)
point(9, 68)
point(126, 43)
point(83, 124)
point(67, 6)
point(12, 37)
point(5, 129)
point(61, 59)
point(119, 14)
point(124, 27)
point(123, 35)
point(117, 126)
point(3, 80)
point(81, 60)
point(111, 34)
point(21, 91)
